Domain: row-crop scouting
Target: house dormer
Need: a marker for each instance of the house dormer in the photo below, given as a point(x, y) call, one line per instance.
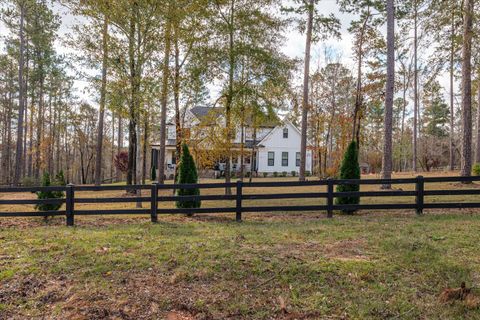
point(171, 131)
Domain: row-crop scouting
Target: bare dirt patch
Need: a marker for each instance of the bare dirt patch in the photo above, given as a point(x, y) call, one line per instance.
point(347, 250)
point(177, 315)
point(145, 295)
point(350, 249)
point(36, 291)
point(137, 295)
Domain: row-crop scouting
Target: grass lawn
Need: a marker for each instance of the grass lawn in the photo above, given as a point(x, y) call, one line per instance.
point(374, 265)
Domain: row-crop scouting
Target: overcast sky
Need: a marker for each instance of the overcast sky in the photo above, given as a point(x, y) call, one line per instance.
point(294, 46)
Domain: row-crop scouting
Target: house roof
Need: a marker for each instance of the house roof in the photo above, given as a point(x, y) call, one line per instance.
point(201, 112)
point(248, 144)
point(284, 122)
point(168, 143)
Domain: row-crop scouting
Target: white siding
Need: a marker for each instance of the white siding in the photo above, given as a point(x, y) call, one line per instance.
point(171, 131)
point(275, 142)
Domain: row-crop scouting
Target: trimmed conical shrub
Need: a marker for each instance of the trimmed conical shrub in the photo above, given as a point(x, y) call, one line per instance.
point(349, 170)
point(46, 182)
point(187, 173)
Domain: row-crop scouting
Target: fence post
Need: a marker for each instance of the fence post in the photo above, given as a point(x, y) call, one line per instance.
point(70, 204)
point(154, 202)
point(329, 198)
point(239, 201)
point(419, 188)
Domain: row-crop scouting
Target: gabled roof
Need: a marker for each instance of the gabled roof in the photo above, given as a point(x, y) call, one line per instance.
point(201, 112)
point(248, 144)
point(281, 124)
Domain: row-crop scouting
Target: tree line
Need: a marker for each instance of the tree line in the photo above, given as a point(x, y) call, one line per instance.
point(408, 99)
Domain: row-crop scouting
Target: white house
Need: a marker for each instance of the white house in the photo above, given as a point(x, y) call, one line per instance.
point(276, 147)
point(279, 150)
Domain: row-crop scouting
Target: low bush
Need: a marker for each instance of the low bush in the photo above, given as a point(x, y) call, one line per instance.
point(46, 182)
point(30, 182)
point(476, 169)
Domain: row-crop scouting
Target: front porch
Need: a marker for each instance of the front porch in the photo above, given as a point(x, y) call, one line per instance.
point(212, 171)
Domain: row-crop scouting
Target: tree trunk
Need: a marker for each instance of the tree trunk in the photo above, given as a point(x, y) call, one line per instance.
point(466, 163)
point(58, 163)
point(176, 99)
point(404, 108)
point(253, 160)
point(49, 139)
point(25, 121)
point(132, 125)
point(164, 100)
point(357, 113)
point(477, 153)
point(101, 113)
point(452, 95)
point(387, 143)
point(306, 80)
point(82, 166)
point(30, 134)
point(118, 173)
point(112, 155)
point(40, 115)
point(9, 138)
point(7, 133)
point(415, 90)
point(21, 103)
point(146, 132)
point(132, 150)
point(68, 175)
point(242, 150)
point(229, 98)
point(138, 155)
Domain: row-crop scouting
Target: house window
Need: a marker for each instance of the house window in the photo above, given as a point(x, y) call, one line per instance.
point(285, 133)
point(297, 159)
point(284, 159)
point(271, 159)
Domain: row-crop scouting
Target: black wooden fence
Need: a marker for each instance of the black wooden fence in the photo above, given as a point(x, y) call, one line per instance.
point(238, 196)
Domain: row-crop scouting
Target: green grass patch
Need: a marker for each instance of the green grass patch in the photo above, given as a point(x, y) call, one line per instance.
point(360, 267)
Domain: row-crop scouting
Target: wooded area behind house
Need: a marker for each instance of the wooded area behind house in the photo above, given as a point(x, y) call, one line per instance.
point(410, 96)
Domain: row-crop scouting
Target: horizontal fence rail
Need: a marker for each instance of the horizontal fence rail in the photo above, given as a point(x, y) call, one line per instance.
point(134, 195)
